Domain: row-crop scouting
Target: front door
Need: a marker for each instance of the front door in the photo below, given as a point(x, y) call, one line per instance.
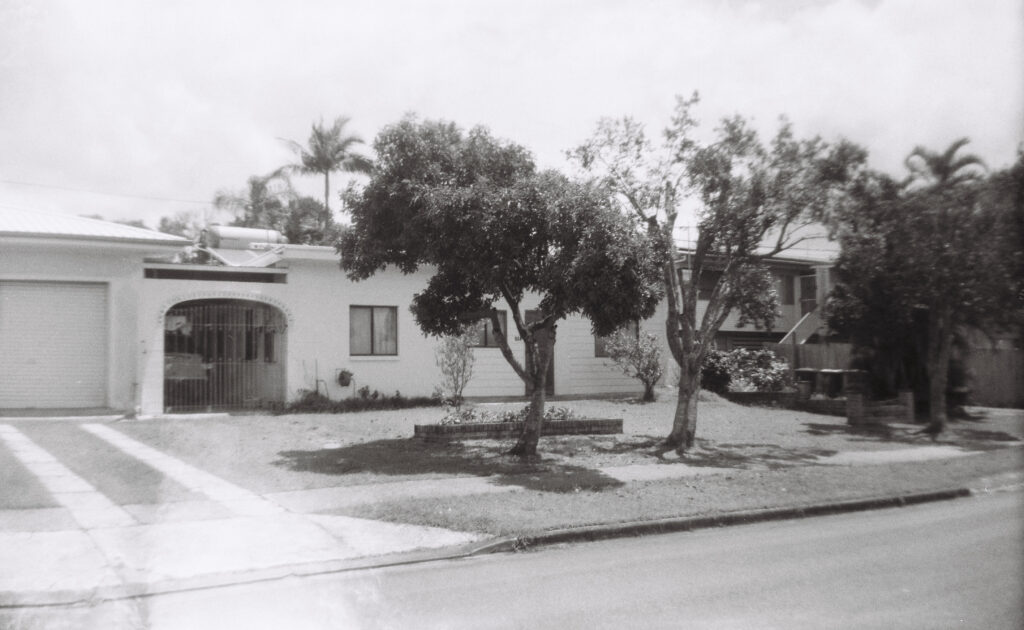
point(532, 316)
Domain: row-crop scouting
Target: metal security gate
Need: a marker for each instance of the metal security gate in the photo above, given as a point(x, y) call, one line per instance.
point(223, 355)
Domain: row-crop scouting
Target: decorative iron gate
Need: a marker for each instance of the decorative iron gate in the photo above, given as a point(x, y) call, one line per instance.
point(223, 355)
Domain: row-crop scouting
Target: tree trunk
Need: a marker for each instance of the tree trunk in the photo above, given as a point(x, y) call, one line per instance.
point(649, 392)
point(528, 439)
point(327, 196)
point(940, 346)
point(526, 446)
point(684, 423)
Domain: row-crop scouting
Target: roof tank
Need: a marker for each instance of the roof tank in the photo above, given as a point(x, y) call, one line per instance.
point(231, 237)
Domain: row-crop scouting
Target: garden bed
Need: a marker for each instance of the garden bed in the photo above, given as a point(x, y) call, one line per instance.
point(510, 430)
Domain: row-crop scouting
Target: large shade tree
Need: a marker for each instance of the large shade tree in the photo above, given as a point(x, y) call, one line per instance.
point(329, 149)
point(939, 255)
point(498, 234)
point(752, 201)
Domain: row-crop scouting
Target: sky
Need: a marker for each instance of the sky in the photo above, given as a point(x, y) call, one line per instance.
point(139, 109)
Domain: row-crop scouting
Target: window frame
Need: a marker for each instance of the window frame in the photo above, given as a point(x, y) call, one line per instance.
point(490, 341)
point(373, 349)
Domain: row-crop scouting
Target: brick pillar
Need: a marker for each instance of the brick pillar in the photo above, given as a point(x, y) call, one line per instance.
point(855, 409)
point(906, 399)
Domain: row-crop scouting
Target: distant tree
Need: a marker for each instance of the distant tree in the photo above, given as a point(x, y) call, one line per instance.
point(638, 356)
point(928, 259)
point(753, 202)
point(493, 229)
point(309, 223)
point(262, 204)
point(185, 223)
point(329, 150)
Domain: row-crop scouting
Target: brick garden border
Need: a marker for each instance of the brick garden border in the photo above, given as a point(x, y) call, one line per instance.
point(509, 430)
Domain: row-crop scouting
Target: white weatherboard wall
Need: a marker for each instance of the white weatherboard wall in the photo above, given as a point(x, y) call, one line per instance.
point(54, 306)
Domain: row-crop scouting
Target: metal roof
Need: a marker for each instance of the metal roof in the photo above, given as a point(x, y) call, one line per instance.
point(34, 223)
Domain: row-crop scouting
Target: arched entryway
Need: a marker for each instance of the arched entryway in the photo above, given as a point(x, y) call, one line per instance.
point(223, 354)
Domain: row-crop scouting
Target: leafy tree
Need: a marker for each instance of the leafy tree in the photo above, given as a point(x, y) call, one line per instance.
point(185, 223)
point(753, 202)
point(309, 223)
point(329, 150)
point(638, 356)
point(941, 254)
point(474, 209)
point(262, 204)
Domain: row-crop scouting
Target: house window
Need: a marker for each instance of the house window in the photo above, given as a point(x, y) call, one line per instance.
point(601, 343)
point(485, 331)
point(706, 284)
point(808, 293)
point(373, 330)
point(784, 284)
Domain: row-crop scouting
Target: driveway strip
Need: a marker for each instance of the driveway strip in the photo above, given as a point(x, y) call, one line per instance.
point(90, 508)
point(239, 500)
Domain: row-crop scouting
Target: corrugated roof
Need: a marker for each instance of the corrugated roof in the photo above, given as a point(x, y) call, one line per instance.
point(34, 223)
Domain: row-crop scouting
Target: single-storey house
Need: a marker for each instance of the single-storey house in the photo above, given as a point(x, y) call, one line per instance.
point(99, 315)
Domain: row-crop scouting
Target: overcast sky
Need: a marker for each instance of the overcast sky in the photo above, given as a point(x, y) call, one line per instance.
point(136, 110)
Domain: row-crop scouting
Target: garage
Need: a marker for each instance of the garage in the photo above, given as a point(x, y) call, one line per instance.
point(55, 344)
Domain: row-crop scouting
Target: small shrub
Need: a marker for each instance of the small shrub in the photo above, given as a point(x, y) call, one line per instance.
point(314, 402)
point(716, 372)
point(454, 415)
point(638, 356)
point(454, 355)
point(743, 370)
point(759, 370)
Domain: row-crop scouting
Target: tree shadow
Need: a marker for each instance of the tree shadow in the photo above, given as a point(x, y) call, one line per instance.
point(707, 453)
point(969, 438)
point(751, 456)
point(405, 457)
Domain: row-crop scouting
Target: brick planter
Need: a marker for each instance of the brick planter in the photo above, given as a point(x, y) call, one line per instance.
point(510, 430)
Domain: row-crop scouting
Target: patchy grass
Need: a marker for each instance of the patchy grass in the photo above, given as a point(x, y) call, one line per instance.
point(533, 511)
point(292, 452)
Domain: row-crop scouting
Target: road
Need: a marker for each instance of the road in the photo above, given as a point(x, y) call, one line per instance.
point(941, 565)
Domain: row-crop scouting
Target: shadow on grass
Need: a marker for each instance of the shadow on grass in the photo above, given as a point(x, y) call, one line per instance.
point(414, 457)
point(975, 439)
point(706, 453)
point(747, 456)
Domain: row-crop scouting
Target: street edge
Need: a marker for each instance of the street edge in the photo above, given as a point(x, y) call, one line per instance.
point(28, 599)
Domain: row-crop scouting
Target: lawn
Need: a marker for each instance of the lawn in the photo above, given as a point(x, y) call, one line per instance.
point(301, 451)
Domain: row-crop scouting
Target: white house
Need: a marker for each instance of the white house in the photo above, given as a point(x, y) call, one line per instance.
point(101, 315)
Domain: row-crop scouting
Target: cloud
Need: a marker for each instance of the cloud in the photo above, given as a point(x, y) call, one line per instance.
point(179, 100)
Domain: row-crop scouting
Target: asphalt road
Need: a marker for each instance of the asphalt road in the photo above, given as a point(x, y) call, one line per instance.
point(953, 564)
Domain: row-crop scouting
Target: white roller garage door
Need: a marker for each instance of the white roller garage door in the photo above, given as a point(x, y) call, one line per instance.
point(53, 344)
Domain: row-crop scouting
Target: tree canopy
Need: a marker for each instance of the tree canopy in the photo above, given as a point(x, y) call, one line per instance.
point(494, 230)
point(923, 260)
point(754, 200)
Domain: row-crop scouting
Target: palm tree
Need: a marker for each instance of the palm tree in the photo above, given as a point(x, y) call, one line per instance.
point(943, 170)
point(329, 149)
point(944, 178)
point(261, 204)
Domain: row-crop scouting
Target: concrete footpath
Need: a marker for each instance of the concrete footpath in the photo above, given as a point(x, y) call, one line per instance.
point(60, 556)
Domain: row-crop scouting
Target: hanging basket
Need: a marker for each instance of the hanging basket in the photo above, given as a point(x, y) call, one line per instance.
point(344, 378)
